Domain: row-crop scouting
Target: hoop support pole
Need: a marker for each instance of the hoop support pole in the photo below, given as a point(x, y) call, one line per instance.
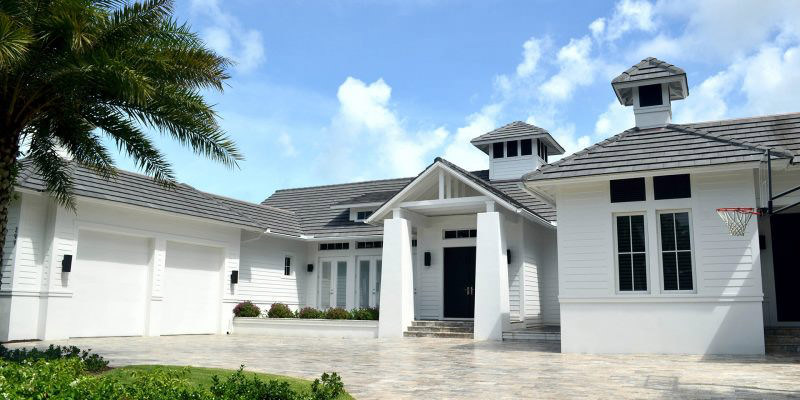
point(769, 180)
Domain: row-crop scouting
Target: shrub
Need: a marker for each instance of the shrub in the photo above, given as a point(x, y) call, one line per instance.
point(337, 313)
point(91, 362)
point(369, 314)
point(280, 310)
point(327, 387)
point(310, 313)
point(246, 309)
point(66, 379)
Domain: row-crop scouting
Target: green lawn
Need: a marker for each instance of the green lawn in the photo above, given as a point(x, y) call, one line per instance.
point(202, 376)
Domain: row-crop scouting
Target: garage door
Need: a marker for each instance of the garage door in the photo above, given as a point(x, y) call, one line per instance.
point(109, 284)
point(191, 303)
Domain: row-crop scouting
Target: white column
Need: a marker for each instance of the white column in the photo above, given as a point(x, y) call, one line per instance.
point(492, 314)
point(397, 286)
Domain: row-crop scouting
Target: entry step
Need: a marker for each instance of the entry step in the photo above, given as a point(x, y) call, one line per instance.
point(441, 329)
point(535, 333)
point(782, 340)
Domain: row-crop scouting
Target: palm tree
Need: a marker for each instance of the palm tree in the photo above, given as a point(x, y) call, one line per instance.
point(73, 72)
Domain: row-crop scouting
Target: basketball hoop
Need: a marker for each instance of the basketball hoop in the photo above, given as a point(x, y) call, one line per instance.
point(737, 219)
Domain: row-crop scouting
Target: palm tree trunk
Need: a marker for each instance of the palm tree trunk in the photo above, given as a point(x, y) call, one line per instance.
point(9, 148)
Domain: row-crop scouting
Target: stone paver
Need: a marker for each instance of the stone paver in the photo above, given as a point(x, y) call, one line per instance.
point(463, 369)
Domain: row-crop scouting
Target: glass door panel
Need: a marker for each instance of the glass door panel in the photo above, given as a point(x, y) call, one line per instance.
point(341, 284)
point(325, 291)
point(363, 283)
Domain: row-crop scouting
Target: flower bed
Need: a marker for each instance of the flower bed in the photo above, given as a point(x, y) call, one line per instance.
point(279, 320)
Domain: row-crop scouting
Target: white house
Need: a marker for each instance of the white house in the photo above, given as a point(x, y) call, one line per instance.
point(645, 262)
point(638, 260)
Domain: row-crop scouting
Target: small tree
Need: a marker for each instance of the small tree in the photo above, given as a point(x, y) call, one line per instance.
point(75, 71)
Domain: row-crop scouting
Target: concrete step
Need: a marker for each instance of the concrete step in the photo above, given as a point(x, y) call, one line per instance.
point(532, 336)
point(782, 349)
point(449, 335)
point(784, 331)
point(782, 339)
point(443, 323)
point(442, 329)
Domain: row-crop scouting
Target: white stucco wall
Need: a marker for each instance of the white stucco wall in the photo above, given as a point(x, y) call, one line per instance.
point(728, 288)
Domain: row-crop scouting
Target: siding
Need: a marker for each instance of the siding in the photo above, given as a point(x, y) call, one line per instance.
point(31, 246)
point(9, 247)
point(724, 265)
point(512, 168)
point(515, 290)
point(261, 277)
point(532, 306)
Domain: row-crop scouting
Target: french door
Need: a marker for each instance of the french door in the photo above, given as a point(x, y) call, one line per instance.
point(333, 283)
point(368, 287)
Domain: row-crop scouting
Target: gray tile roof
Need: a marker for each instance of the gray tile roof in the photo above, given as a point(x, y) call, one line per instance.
point(676, 146)
point(516, 130)
point(371, 197)
point(649, 68)
point(313, 204)
point(139, 190)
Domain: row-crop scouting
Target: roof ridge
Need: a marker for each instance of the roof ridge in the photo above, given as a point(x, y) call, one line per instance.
point(252, 204)
point(340, 184)
point(752, 119)
point(743, 143)
point(584, 150)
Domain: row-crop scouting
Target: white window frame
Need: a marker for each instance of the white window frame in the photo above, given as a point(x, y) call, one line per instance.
point(292, 268)
point(691, 249)
point(616, 255)
point(354, 214)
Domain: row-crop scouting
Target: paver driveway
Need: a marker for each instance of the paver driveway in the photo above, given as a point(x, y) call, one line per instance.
point(448, 368)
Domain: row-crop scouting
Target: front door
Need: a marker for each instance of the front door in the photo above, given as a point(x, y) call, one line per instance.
point(333, 283)
point(368, 288)
point(459, 282)
point(785, 254)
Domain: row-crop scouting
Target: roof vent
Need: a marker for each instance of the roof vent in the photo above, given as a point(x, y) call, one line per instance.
point(650, 86)
point(516, 149)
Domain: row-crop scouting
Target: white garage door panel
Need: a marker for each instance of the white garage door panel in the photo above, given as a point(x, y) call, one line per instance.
point(191, 289)
point(109, 284)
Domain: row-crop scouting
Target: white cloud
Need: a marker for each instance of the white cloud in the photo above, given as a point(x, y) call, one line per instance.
point(628, 15)
point(532, 51)
point(228, 37)
point(771, 80)
point(288, 146)
point(461, 151)
point(576, 68)
point(366, 122)
point(615, 119)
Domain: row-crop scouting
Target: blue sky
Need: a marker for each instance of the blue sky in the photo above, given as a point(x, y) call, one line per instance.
point(336, 91)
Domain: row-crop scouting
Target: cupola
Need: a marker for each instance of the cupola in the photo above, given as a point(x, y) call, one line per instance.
point(650, 86)
point(516, 149)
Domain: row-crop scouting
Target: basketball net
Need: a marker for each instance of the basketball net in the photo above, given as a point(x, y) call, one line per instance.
point(737, 219)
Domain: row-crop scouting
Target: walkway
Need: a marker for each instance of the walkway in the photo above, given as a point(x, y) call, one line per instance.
point(457, 368)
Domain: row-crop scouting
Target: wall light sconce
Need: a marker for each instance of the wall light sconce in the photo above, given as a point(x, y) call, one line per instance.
point(234, 277)
point(310, 268)
point(66, 263)
point(427, 259)
point(508, 255)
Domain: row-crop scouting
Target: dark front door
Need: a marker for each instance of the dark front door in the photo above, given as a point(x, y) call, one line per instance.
point(459, 282)
point(786, 263)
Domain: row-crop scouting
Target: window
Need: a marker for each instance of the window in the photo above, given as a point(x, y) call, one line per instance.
point(362, 215)
point(287, 266)
point(526, 147)
point(460, 233)
point(369, 245)
point(511, 148)
point(671, 187)
point(676, 250)
point(334, 246)
point(497, 150)
point(623, 190)
point(650, 95)
point(631, 253)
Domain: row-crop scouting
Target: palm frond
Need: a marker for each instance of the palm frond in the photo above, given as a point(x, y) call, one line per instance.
point(55, 170)
point(15, 42)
